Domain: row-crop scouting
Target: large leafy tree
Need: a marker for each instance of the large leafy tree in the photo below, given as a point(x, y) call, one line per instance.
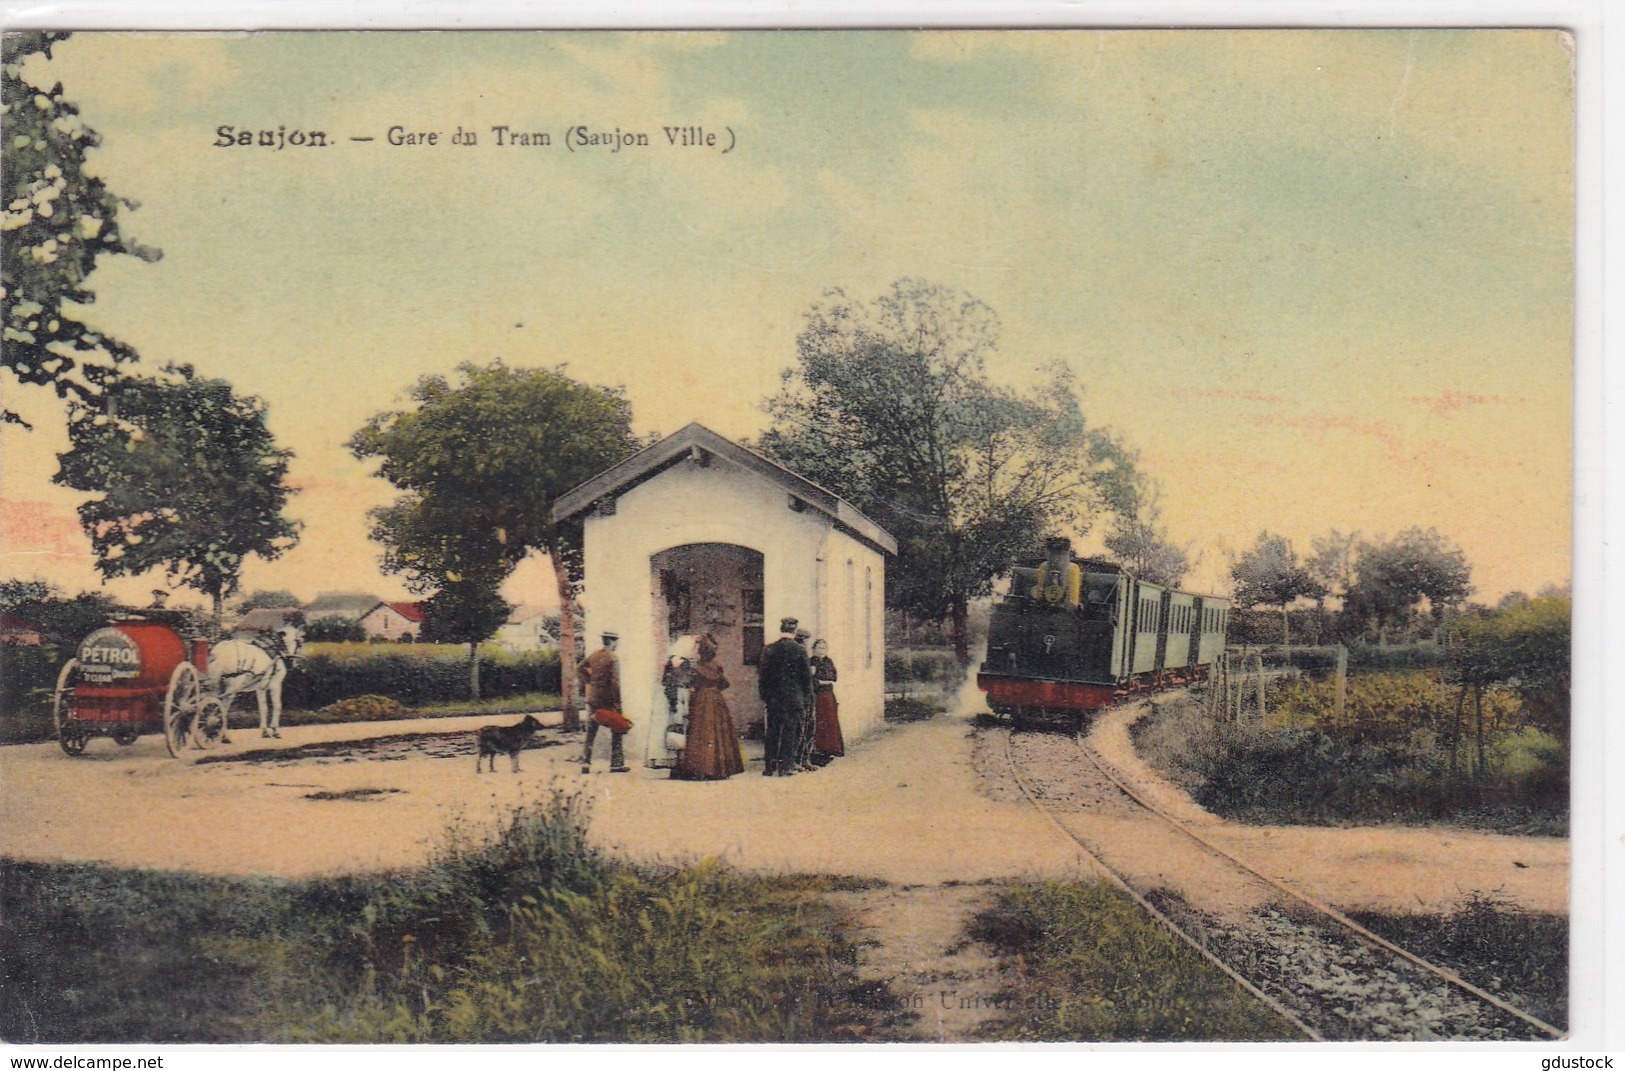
point(1270, 574)
point(58, 219)
point(186, 476)
point(1139, 540)
point(889, 405)
point(480, 465)
point(1393, 578)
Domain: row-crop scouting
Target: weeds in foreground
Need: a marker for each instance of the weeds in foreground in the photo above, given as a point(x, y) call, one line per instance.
point(529, 935)
point(1090, 965)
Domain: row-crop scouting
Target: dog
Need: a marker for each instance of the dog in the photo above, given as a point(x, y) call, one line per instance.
point(509, 738)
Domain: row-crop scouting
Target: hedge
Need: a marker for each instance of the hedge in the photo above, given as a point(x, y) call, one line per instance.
point(415, 674)
point(921, 665)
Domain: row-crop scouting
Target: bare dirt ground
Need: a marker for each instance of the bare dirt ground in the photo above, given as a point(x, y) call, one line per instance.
point(927, 812)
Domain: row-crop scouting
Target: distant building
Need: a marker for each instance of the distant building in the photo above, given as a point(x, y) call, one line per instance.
point(526, 630)
point(265, 619)
point(350, 605)
point(394, 622)
point(19, 631)
point(698, 534)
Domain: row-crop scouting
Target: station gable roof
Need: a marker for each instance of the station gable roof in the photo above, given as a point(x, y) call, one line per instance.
point(697, 441)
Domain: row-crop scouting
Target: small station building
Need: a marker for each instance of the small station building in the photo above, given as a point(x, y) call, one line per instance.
point(697, 534)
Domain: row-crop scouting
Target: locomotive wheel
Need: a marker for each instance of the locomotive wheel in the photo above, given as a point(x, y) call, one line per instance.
point(210, 724)
point(68, 735)
point(181, 705)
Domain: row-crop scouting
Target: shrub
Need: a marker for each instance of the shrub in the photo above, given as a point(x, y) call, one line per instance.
point(1377, 765)
point(922, 665)
point(366, 708)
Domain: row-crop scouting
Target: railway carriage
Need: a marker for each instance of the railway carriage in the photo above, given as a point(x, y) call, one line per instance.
point(1074, 635)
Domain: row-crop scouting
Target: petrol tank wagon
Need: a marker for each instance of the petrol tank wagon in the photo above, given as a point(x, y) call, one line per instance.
point(135, 676)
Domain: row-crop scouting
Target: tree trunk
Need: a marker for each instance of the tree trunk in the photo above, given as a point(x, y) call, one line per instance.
point(1286, 634)
point(1454, 736)
point(961, 624)
point(474, 670)
point(1478, 732)
point(567, 645)
point(219, 605)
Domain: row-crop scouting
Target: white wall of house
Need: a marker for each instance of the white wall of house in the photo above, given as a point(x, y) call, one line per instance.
point(530, 634)
point(388, 623)
point(805, 574)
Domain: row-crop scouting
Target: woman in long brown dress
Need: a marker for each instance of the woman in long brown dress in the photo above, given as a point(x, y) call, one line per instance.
point(712, 752)
point(827, 742)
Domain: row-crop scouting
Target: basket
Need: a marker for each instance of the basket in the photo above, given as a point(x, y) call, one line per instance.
point(613, 720)
point(675, 741)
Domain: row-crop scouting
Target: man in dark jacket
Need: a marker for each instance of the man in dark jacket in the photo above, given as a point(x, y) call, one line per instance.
point(784, 680)
point(602, 671)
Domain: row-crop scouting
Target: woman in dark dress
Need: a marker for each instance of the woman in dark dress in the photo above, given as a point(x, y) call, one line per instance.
point(712, 752)
point(827, 742)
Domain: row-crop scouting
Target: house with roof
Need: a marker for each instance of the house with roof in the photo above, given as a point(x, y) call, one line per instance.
point(697, 534)
point(349, 605)
point(394, 622)
point(264, 619)
point(526, 630)
point(18, 631)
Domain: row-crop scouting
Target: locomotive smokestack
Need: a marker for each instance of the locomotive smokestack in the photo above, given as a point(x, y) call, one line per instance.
point(1057, 556)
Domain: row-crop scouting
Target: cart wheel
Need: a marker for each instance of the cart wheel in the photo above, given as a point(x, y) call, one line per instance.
point(210, 724)
point(67, 733)
point(181, 704)
point(125, 737)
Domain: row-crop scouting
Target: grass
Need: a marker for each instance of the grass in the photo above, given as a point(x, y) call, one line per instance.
point(1520, 956)
point(532, 936)
point(1089, 965)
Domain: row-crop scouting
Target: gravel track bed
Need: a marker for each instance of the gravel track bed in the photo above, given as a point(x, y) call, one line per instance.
point(1331, 978)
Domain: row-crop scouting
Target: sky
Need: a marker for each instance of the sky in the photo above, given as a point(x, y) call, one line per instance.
point(1318, 279)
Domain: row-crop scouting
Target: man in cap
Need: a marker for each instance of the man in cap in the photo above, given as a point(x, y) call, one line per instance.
point(784, 681)
point(602, 671)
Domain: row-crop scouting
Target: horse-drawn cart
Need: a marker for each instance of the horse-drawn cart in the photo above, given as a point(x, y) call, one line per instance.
point(136, 676)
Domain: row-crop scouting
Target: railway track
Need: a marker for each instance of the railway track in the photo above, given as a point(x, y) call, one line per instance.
point(1331, 978)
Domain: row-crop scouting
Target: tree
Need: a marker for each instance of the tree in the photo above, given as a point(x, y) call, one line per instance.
point(888, 405)
point(1270, 574)
point(466, 611)
point(481, 465)
point(61, 619)
point(187, 477)
point(58, 220)
point(1331, 568)
point(1525, 646)
point(1139, 541)
point(335, 628)
point(1392, 579)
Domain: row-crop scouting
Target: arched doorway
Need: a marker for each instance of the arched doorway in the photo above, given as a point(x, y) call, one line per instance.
point(714, 588)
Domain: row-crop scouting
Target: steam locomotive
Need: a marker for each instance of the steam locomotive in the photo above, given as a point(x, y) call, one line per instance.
point(1074, 635)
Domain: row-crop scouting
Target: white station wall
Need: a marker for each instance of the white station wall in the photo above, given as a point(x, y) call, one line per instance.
point(833, 583)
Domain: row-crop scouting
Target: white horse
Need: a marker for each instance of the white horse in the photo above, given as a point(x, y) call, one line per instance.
point(258, 664)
